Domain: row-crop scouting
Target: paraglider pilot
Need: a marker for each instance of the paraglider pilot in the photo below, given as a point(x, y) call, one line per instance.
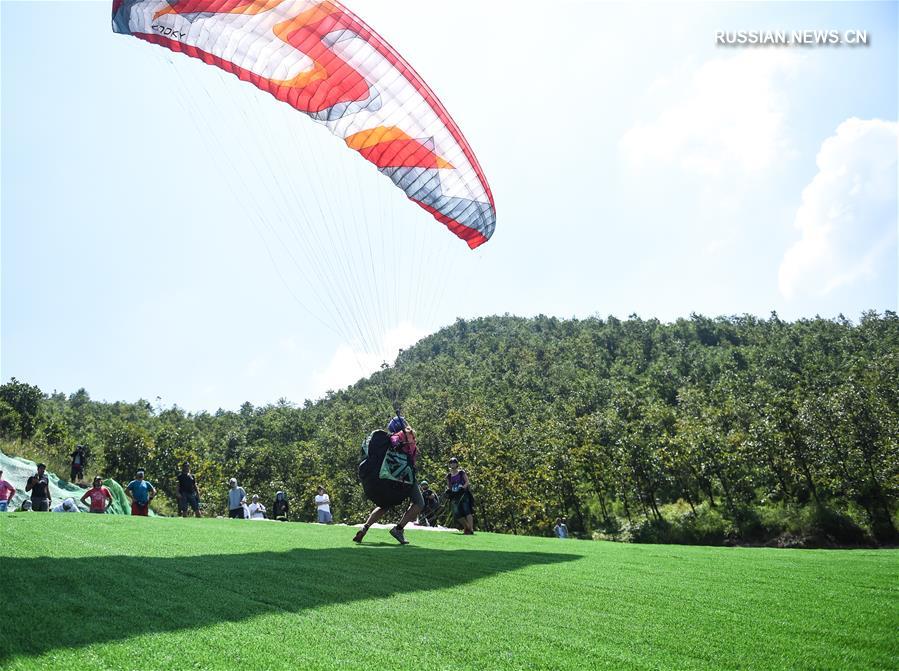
point(400, 431)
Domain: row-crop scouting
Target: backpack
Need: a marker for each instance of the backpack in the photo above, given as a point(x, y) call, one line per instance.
point(384, 492)
point(399, 460)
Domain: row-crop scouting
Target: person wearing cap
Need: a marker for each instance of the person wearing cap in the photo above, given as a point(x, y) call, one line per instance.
point(237, 500)
point(39, 486)
point(99, 496)
point(457, 488)
point(323, 506)
point(398, 425)
point(188, 492)
point(280, 507)
point(67, 506)
point(7, 491)
point(257, 510)
point(141, 492)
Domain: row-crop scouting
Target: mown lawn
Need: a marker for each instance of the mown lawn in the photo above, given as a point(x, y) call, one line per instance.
point(91, 592)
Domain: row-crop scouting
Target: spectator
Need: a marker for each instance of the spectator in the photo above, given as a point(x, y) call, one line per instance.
point(141, 492)
point(99, 496)
point(280, 508)
point(323, 503)
point(67, 506)
point(7, 491)
point(188, 492)
point(79, 463)
point(561, 529)
point(428, 515)
point(237, 500)
point(257, 510)
point(458, 490)
point(39, 486)
point(26, 506)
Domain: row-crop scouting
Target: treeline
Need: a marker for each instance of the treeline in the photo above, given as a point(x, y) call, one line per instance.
point(703, 430)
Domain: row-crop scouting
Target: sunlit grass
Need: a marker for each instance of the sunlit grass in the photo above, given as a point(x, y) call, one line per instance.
point(86, 591)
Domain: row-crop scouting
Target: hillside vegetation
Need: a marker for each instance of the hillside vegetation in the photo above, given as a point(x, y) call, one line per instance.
point(699, 431)
point(117, 592)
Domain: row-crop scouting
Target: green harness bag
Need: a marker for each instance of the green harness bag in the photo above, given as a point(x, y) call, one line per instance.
point(397, 466)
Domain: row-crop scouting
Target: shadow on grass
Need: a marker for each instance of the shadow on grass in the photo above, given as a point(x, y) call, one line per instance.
point(65, 603)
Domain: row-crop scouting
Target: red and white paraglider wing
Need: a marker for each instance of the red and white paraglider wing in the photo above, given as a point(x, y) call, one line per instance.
point(321, 59)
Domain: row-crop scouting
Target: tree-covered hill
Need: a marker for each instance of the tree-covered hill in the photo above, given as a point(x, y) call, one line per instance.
point(700, 431)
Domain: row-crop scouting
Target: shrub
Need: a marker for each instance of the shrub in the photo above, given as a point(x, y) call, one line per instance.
point(612, 529)
point(650, 531)
point(747, 524)
point(779, 519)
point(706, 527)
point(163, 505)
point(811, 525)
point(832, 527)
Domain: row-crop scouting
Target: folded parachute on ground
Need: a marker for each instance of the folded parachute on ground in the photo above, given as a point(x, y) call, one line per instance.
point(321, 59)
point(17, 470)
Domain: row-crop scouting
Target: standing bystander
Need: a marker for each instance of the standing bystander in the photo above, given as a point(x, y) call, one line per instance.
point(188, 492)
point(79, 463)
point(39, 486)
point(7, 491)
point(323, 504)
point(237, 500)
point(99, 496)
point(280, 508)
point(141, 492)
point(458, 489)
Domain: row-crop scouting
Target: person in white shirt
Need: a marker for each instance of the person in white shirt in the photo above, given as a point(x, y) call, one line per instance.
point(323, 503)
point(67, 506)
point(257, 510)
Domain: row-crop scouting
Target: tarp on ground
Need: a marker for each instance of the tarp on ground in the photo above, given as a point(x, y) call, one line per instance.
point(16, 471)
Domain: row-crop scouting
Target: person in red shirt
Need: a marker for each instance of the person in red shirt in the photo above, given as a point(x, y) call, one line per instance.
point(99, 496)
point(7, 491)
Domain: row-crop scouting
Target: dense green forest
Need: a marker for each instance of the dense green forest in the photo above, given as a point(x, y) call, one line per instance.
point(705, 430)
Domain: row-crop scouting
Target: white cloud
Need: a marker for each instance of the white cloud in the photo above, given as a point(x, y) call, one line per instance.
point(848, 215)
point(350, 363)
point(729, 118)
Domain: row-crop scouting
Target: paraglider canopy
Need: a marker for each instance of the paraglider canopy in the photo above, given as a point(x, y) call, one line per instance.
point(324, 61)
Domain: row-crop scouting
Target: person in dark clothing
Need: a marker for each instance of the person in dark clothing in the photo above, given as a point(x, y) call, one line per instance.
point(403, 435)
point(79, 463)
point(39, 486)
point(188, 492)
point(428, 514)
point(280, 507)
point(458, 490)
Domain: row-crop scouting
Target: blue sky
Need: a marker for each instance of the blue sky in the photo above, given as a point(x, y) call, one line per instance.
point(157, 242)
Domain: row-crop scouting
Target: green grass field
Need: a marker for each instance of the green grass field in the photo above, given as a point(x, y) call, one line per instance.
point(91, 592)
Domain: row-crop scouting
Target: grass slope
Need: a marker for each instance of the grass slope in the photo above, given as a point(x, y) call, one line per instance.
point(86, 592)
